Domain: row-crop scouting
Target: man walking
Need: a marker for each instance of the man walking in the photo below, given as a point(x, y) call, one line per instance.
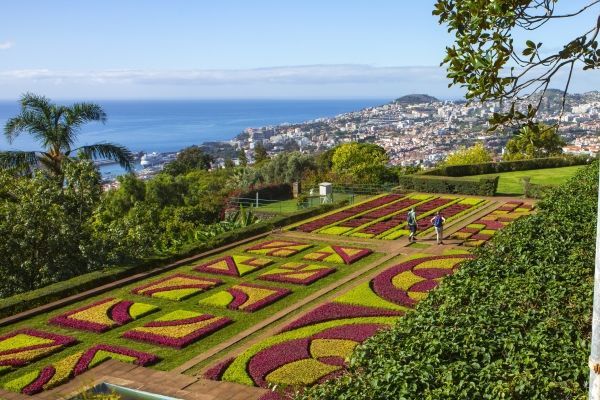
point(438, 223)
point(411, 220)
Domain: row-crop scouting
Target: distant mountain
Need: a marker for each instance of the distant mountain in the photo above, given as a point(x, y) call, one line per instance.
point(416, 99)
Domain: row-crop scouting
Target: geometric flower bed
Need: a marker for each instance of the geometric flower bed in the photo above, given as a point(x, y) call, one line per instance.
point(103, 315)
point(482, 230)
point(178, 328)
point(297, 272)
point(246, 297)
point(176, 287)
point(347, 213)
point(73, 365)
point(23, 346)
point(316, 346)
point(234, 265)
point(338, 254)
point(278, 248)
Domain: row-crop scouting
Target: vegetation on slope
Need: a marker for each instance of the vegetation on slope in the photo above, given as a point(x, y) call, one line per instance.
point(512, 324)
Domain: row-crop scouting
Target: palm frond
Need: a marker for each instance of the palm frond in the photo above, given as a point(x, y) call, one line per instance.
point(18, 160)
point(109, 151)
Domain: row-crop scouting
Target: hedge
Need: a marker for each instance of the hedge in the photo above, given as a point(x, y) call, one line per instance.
point(507, 166)
point(512, 324)
point(446, 184)
point(282, 191)
point(28, 300)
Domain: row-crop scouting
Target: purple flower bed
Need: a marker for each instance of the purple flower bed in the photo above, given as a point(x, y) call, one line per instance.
point(289, 276)
point(66, 321)
point(333, 311)
point(347, 213)
point(141, 358)
point(240, 297)
point(38, 385)
point(276, 356)
point(216, 372)
point(382, 284)
point(203, 283)
point(59, 340)
point(480, 236)
point(177, 342)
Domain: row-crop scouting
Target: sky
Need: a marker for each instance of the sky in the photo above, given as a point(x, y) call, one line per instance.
point(207, 49)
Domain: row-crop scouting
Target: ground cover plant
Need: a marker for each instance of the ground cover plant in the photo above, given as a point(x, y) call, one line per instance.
point(338, 254)
point(57, 373)
point(512, 323)
point(480, 231)
point(297, 272)
point(23, 346)
point(278, 248)
point(178, 328)
point(316, 346)
point(346, 213)
point(176, 287)
point(103, 315)
point(246, 297)
point(168, 352)
point(234, 265)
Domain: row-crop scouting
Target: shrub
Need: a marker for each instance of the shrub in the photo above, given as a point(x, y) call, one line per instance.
point(446, 184)
point(513, 323)
point(506, 166)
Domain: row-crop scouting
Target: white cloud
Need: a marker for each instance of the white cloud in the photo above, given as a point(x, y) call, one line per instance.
point(6, 45)
point(293, 75)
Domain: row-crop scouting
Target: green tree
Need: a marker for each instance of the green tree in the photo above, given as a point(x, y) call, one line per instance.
point(260, 153)
point(189, 159)
point(56, 128)
point(229, 164)
point(490, 65)
point(360, 162)
point(475, 154)
point(534, 142)
point(243, 159)
point(286, 167)
point(44, 225)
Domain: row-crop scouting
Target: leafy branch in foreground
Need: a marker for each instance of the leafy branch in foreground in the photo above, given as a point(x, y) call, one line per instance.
point(486, 61)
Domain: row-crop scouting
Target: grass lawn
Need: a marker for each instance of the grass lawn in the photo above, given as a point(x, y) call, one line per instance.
point(290, 206)
point(170, 357)
point(510, 182)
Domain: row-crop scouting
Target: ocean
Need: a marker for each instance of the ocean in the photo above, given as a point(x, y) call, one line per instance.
point(166, 126)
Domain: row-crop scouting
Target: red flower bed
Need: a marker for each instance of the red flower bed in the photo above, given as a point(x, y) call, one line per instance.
point(347, 213)
point(19, 356)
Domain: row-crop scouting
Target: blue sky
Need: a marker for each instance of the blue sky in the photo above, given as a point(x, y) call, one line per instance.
point(232, 49)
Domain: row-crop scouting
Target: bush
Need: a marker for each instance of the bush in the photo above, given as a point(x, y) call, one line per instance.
point(282, 191)
point(506, 166)
point(28, 300)
point(446, 184)
point(512, 324)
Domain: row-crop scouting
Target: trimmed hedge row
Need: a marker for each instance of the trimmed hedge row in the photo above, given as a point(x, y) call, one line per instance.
point(282, 191)
point(60, 290)
point(512, 324)
point(507, 166)
point(446, 184)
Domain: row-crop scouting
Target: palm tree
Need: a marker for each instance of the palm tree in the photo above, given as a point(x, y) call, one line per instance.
point(56, 127)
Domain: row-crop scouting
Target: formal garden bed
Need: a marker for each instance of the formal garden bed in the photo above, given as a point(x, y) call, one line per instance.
point(374, 220)
point(316, 346)
point(168, 319)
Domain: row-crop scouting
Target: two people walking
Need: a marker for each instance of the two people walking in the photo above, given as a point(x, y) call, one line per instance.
point(437, 221)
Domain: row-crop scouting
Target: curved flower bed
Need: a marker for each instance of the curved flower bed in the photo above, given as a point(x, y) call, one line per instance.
point(278, 248)
point(298, 273)
point(246, 297)
point(23, 346)
point(73, 365)
point(178, 328)
point(315, 347)
point(233, 265)
point(338, 254)
point(103, 315)
point(176, 287)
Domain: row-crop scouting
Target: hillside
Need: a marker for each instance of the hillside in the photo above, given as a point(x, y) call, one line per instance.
point(416, 99)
